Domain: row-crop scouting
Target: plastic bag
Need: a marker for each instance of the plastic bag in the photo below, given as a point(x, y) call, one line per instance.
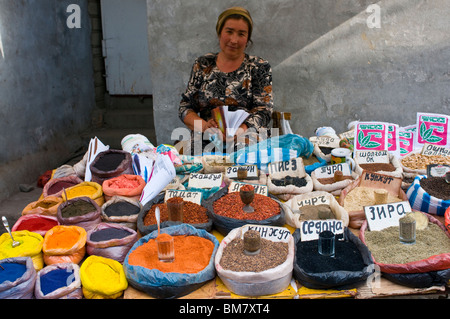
point(23, 286)
point(30, 246)
point(87, 221)
point(69, 289)
point(113, 248)
point(36, 223)
point(100, 172)
point(434, 270)
point(266, 282)
point(170, 285)
point(102, 278)
point(225, 224)
point(64, 244)
point(125, 185)
point(334, 279)
point(424, 202)
point(147, 229)
point(128, 218)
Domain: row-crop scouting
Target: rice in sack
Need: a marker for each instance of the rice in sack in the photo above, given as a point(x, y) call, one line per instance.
point(64, 244)
point(102, 278)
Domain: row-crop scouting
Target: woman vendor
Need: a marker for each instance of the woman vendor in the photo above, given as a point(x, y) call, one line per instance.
point(230, 77)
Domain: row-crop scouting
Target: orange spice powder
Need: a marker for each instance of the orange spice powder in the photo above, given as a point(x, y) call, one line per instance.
point(192, 254)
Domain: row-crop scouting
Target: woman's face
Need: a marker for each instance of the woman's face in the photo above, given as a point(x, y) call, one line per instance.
point(234, 37)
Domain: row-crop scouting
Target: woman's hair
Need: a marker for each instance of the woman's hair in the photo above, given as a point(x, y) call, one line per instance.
point(235, 13)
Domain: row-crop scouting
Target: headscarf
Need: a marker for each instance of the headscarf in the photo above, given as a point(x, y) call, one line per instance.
point(234, 10)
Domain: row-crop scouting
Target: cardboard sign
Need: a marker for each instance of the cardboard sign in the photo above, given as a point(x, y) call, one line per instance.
point(310, 229)
point(197, 180)
point(259, 189)
point(252, 171)
point(386, 215)
point(406, 141)
point(292, 167)
point(433, 129)
point(376, 180)
point(325, 141)
point(371, 157)
point(328, 171)
point(194, 197)
point(437, 170)
point(431, 150)
point(273, 233)
point(371, 136)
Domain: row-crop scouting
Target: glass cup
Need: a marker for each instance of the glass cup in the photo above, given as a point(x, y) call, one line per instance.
point(175, 210)
point(326, 244)
point(166, 250)
point(407, 229)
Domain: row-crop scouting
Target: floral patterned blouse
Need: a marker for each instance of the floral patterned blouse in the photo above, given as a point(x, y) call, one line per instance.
point(248, 88)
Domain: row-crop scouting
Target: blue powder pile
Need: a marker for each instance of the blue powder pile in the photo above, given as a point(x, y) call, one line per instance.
point(56, 279)
point(11, 271)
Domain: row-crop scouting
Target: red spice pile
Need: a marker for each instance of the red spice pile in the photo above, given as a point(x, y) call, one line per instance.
point(192, 214)
point(231, 206)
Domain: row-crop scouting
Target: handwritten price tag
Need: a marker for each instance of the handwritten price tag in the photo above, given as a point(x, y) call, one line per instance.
point(205, 180)
point(310, 229)
point(194, 197)
point(386, 215)
point(259, 189)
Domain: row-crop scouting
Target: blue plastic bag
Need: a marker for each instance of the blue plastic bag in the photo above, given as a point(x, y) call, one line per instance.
point(170, 285)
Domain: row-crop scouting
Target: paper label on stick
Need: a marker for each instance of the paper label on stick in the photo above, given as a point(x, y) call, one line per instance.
point(197, 180)
point(292, 167)
point(435, 150)
point(259, 189)
point(252, 171)
point(325, 141)
point(385, 215)
point(371, 157)
point(328, 171)
point(194, 197)
point(310, 229)
point(314, 200)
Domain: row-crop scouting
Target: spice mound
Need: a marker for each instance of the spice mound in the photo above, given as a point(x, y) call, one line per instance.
point(232, 206)
point(386, 247)
point(290, 180)
point(316, 212)
point(192, 214)
point(375, 167)
point(121, 208)
point(77, 208)
point(271, 255)
point(192, 254)
point(436, 187)
point(359, 197)
point(347, 257)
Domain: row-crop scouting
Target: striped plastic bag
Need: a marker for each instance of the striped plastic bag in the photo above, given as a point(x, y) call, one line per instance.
point(424, 202)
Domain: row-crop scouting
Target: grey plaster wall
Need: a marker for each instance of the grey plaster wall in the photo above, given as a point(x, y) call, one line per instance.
point(329, 67)
point(46, 87)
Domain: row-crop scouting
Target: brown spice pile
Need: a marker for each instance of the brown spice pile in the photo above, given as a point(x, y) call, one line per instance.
point(272, 254)
point(376, 167)
point(436, 187)
point(192, 214)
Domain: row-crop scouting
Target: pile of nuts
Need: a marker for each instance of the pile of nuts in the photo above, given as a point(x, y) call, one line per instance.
point(419, 161)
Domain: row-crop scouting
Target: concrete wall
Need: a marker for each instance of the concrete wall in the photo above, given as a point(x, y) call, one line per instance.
point(46, 87)
point(329, 67)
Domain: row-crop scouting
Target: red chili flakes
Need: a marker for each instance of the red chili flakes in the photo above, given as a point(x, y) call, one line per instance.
point(192, 214)
point(231, 206)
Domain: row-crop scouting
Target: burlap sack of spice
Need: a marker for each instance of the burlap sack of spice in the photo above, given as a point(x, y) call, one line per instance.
point(102, 278)
point(159, 199)
point(22, 287)
point(91, 190)
point(113, 248)
point(70, 291)
point(30, 246)
point(431, 271)
point(44, 206)
point(35, 223)
point(333, 188)
point(87, 221)
point(248, 283)
point(125, 166)
point(59, 184)
point(216, 163)
point(128, 220)
point(285, 193)
point(64, 244)
point(397, 172)
point(293, 216)
point(126, 185)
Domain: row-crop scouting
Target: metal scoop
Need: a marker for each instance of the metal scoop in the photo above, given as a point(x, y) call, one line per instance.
point(5, 223)
point(158, 219)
